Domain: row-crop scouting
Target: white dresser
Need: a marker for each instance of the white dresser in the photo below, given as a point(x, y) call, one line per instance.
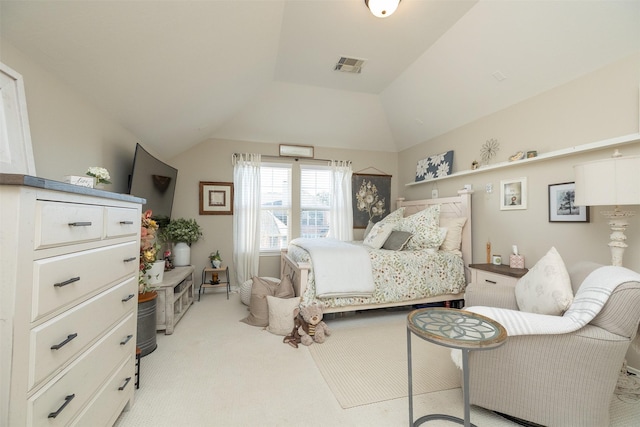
point(68, 302)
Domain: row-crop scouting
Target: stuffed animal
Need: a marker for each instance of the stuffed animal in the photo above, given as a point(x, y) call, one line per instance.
point(308, 326)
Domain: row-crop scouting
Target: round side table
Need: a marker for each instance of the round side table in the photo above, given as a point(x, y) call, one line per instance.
point(452, 328)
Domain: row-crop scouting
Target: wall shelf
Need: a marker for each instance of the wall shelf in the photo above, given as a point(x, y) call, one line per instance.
point(612, 142)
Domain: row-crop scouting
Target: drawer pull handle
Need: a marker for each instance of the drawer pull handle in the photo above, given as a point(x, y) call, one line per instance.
point(490, 281)
point(126, 383)
point(130, 259)
point(80, 224)
point(128, 297)
point(63, 343)
point(66, 282)
point(126, 340)
point(126, 222)
point(67, 399)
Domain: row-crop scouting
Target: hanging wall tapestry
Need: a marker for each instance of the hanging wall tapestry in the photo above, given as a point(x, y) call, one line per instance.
point(371, 198)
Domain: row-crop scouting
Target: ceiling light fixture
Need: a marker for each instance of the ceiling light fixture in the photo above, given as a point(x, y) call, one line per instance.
point(382, 8)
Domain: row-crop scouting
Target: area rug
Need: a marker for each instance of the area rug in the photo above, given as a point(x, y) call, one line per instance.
point(368, 364)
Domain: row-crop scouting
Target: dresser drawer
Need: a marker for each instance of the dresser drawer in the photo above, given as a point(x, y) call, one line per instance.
point(61, 280)
point(121, 222)
point(488, 278)
point(58, 340)
point(59, 223)
point(82, 378)
point(110, 400)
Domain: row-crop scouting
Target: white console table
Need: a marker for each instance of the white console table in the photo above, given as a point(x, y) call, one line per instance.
point(175, 296)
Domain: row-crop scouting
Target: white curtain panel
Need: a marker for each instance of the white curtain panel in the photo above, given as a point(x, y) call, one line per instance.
point(246, 215)
point(341, 213)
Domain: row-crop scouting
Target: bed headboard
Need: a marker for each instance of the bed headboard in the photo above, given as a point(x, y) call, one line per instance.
point(450, 207)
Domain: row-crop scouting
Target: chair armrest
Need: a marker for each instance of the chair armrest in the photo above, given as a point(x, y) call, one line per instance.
point(490, 296)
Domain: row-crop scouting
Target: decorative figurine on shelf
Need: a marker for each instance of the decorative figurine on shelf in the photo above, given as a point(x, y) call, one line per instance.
point(474, 165)
point(168, 265)
point(216, 259)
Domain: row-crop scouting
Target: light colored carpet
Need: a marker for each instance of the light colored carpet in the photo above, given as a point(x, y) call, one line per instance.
point(368, 364)
point(215, 371)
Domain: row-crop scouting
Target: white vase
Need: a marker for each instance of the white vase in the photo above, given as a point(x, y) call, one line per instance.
point(181, 254)
point(216, 263)
point(155, 274)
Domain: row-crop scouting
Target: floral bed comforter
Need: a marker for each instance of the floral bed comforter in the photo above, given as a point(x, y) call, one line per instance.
point(398, 276)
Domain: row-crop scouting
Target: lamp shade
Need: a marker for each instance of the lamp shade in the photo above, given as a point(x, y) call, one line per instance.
point(608, 182)
point(382, 8)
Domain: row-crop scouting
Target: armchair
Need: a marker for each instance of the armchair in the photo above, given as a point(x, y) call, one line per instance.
point(556, 379)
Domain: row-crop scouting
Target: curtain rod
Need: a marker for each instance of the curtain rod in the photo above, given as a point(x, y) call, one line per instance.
point(267, 156)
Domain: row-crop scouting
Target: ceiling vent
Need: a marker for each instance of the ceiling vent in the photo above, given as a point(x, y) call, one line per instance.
point(349, 65)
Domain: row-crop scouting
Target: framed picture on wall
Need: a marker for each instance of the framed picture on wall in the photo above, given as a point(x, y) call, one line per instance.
point(561, 204)
point(216, 198)
point(513, 194)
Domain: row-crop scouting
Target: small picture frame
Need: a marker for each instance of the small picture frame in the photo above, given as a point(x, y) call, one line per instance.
point(297, 151)
point(513, 194)
point(216, 198)
point(561, 204)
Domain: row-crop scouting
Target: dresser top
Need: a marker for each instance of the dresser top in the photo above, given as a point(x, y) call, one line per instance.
point(49, 184)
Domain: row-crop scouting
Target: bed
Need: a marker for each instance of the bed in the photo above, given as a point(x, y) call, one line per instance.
point(405, 277)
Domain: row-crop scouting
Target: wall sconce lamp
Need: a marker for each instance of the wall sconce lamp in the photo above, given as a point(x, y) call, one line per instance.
point(382, 8)
point(610, 182)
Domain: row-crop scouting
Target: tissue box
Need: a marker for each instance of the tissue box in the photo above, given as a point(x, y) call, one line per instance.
point(83, 181)
point(516, 261)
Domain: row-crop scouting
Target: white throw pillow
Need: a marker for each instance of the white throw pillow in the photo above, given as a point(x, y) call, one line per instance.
point(281, 317)
point(453, 240)
point(546, 288)
point(378, 234)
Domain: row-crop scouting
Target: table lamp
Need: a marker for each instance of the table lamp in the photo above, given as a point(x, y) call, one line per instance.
point(610, 182)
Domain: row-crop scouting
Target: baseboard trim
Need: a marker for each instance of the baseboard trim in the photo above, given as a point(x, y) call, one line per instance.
point(633, 370)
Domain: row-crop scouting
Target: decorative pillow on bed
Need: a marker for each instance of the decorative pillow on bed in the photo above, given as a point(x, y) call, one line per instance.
point(424, 226)
point(453, 239)
point(394, 217)
point(258, 308)
point(368, 229)
point(378, 234)
point(546, 288)
point(397, 240)
point(281, 314)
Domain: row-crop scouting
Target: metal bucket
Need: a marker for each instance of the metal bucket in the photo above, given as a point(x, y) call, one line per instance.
point(146, 335)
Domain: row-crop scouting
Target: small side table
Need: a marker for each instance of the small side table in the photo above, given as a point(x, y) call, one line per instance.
point(452, 328)
point(226, 282)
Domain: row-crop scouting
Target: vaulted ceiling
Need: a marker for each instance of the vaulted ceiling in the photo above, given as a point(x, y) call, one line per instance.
point(178, 72)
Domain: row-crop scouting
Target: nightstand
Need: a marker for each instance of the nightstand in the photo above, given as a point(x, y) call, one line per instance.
point(491, 274)
point(493, 285)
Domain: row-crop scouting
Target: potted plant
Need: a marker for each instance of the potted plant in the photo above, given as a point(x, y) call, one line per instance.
point(182, 233)
point(216, 259)
point(150, 273)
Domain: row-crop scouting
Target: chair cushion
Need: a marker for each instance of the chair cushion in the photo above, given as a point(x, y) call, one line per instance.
point(281, 314)
point(546, 288)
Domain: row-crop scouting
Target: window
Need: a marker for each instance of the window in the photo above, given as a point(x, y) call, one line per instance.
point(275, 197)
point(315, 201)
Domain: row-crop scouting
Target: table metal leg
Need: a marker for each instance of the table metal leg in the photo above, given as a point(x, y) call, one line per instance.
point(410, 377)
point(465, 385)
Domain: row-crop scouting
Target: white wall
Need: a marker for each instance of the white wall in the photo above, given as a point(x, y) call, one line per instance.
point(68, 133)
point(598, 106)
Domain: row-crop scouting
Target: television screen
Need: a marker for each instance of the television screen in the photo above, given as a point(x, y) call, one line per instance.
point(155, 181)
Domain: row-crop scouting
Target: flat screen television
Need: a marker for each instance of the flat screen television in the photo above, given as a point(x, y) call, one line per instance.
point(155, 181)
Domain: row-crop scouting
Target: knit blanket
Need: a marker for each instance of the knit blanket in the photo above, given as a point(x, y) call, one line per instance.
point(341, 269)
point(587, 303)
